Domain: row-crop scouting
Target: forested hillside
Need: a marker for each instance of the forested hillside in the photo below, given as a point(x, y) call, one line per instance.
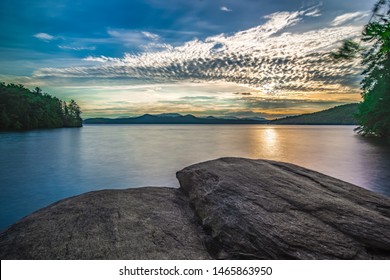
point(344, 114)
point(21, 109)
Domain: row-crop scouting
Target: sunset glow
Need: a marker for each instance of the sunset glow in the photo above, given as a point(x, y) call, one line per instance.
point(220, 58)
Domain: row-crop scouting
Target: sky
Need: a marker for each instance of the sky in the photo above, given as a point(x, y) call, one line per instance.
point(247, 58)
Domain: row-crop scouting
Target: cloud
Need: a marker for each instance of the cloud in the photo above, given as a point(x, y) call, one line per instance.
point(44, 36)
point(150, 35)
point(101, 59)
point(225, 9)
point(313, 10)
point(132, 38)
point(141, 40)
point(64, 47)
point(264, 58)
point(129, 37)
point(314, 13)
point(264, 104)
point(342, 19)
point(198, 97)
point(239, 114)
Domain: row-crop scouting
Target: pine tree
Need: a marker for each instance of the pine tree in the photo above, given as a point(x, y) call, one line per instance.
point(374, 110)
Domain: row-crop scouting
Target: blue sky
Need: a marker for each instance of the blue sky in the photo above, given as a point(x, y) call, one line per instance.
point(223, 58)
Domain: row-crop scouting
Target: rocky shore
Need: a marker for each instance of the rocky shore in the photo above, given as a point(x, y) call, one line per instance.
point(229, 208)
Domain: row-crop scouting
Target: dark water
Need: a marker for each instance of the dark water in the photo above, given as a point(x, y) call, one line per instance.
point(41, 167)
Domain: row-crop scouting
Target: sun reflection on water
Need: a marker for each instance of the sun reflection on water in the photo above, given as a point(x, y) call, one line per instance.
point(269, 141)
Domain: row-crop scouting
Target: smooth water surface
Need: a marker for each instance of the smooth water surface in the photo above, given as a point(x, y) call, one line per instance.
point(40, 167)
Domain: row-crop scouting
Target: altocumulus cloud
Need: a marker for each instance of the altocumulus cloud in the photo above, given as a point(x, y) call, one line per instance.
point(265, 58)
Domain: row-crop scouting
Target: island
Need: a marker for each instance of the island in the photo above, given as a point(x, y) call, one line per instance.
point(228, 208)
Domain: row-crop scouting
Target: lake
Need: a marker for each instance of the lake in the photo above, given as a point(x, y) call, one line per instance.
point(42, 166)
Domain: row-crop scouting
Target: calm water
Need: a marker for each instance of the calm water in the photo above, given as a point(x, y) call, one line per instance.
point(41, 167)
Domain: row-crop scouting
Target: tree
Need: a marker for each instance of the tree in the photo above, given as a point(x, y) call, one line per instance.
point(74, 113)
point(21, 108)
point(38, 90)
point(374, 110)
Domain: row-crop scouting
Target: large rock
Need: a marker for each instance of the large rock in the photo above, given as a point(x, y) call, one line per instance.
point(147, 223)
point(260, 209)
point(240, 209)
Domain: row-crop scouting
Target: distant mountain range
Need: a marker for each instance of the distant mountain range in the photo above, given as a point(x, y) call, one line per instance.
point(174, 118)
point(340, 115)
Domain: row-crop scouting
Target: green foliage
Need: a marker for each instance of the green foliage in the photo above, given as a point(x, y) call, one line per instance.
point(21, 108)
point(349, 50)
point(374, 111)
